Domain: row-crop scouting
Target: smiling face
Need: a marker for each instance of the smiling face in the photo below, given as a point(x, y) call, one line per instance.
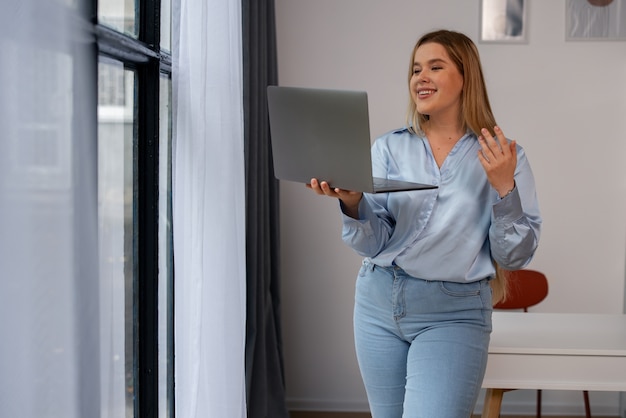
point(436, 83)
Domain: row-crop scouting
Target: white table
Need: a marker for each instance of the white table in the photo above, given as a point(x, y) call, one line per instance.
point(554, 351)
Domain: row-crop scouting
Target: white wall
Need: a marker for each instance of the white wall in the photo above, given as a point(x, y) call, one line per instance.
point(564, 102)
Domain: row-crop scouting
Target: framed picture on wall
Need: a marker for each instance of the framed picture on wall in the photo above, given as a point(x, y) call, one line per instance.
point(595, 20)
point(503, 21)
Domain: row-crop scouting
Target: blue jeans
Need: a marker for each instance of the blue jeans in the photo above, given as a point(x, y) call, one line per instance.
point(421, 345)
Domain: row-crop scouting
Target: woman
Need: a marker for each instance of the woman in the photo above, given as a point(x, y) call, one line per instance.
point(423, 303)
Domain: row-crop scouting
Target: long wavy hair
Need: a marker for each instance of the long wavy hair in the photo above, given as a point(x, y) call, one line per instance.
point(475, 108)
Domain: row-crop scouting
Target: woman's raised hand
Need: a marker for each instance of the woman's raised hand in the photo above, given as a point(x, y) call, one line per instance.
point(498, 157)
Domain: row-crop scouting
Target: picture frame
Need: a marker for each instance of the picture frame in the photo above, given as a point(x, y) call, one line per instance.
point(595, 20)
point(503, 21)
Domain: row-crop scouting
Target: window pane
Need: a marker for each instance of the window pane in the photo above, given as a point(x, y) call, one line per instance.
point(121, 15)
point(166, 24)
point(166, 268)
point(116, 111)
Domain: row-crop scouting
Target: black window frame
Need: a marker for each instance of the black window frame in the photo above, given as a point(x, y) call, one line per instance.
point(144, 55)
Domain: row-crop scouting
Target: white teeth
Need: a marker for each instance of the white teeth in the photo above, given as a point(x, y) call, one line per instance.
point(425, 92)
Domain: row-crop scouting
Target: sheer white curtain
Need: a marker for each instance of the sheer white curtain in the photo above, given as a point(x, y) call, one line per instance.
point(209, 209)
point(48, 216)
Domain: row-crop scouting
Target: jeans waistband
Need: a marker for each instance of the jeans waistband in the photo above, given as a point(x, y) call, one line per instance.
point(399, 271)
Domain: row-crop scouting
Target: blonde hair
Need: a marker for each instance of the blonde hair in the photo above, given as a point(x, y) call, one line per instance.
point(475, 111)
point(499, 285)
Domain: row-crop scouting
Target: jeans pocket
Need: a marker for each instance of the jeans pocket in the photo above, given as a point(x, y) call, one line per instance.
point(460, 289)
point(473, 300)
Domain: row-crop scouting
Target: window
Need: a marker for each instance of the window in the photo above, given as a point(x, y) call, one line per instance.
point(134, 213)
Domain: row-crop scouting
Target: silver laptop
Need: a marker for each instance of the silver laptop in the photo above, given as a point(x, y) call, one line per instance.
point(324, 134)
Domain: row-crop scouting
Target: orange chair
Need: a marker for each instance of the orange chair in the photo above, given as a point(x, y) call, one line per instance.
point(527, 288)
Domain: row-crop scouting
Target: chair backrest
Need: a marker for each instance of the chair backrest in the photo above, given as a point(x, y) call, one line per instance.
point(526, 288)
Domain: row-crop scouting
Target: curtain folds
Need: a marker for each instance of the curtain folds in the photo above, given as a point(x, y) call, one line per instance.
point(265, 382)
point(208, 209)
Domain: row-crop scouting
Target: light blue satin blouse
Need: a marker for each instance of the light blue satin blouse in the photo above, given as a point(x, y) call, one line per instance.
point(450, 233)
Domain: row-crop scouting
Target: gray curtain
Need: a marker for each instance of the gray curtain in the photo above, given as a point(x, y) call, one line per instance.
point(265, 381)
